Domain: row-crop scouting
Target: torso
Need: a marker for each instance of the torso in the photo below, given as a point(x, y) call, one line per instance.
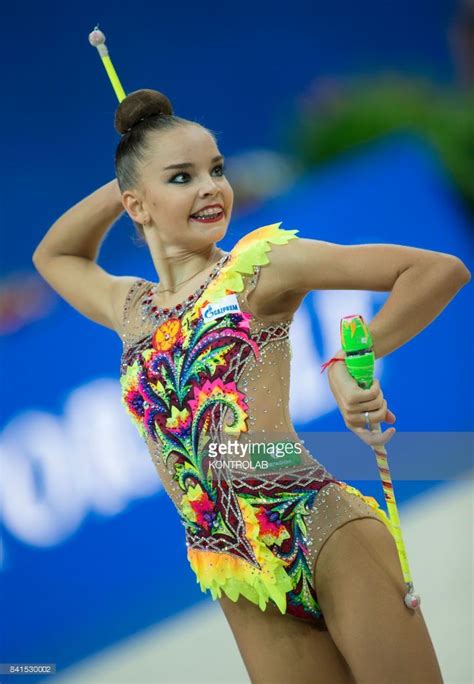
point(243, 358)
point(196, 379)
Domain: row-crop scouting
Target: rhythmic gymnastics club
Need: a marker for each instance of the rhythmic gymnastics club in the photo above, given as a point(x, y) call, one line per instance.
point(97, 39)
point(356, 341)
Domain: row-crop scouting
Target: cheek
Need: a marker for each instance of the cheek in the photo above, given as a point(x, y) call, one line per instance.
point(175, 204)
point(229, 193)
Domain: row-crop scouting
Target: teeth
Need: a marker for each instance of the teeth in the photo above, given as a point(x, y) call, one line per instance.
point(208, 212)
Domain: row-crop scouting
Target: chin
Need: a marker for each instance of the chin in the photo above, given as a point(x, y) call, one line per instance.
point(217, 232)
point(213, 229)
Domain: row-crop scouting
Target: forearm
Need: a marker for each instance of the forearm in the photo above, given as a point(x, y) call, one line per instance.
point(419, 295)
point(80, 231)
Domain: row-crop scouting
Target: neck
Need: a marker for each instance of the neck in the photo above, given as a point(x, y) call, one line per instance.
point(175, 265)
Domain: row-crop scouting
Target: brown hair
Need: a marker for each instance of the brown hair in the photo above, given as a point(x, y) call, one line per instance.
point(140, 113)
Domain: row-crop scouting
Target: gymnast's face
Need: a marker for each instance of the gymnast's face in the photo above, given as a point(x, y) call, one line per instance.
point(172, 195)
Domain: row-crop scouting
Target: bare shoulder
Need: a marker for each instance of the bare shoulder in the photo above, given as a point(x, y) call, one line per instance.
point(273, 297)
point(121, 289)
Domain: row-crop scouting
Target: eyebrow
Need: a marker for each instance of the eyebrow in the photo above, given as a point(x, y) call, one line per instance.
point(187, 165)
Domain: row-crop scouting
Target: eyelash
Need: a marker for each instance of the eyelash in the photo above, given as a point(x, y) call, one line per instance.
point(183, 173)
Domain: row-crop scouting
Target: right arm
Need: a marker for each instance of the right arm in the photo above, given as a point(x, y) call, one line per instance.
point(66, 258)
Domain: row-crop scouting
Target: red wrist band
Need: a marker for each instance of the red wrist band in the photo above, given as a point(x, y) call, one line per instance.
point(333, 360)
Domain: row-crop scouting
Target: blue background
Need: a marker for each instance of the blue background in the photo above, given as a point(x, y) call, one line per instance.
point(238, 69)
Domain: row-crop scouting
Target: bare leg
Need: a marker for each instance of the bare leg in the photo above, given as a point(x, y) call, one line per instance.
point(277, 649)
point(360, 589)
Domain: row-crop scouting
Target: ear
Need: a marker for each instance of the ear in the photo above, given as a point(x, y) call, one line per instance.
point(134, 208)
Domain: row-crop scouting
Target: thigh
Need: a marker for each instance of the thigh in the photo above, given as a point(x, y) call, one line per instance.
point(277, 649)
point(360, 590)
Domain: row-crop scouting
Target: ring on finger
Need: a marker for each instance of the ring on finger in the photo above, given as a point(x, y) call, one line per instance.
point(367, 421)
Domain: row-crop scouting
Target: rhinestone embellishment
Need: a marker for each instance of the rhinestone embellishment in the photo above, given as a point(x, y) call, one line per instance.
point(148, 310)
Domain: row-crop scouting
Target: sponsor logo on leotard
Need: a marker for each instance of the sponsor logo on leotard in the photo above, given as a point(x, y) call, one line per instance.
point(221, 307)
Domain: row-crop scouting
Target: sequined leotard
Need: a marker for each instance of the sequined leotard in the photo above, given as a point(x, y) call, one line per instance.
point(210, 372)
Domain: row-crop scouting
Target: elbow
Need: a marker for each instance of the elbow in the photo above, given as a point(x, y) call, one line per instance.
point(457, 270)
point(453, 272)
point(35, 258)
point(447, 271)
point(36, 263)
point(39, 257)
point(467, 275)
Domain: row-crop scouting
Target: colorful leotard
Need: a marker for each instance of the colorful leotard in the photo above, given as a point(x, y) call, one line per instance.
point(210, 372)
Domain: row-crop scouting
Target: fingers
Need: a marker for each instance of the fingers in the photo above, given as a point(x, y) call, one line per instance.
point(377, 410)
point(353, 402)
point(354, 419)
point(363, 406)
point(359, 395)
point(374, 438)
point(372, 401)
point(358, 399)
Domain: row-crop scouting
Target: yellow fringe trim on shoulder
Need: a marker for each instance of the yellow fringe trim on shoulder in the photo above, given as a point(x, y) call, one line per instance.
point(249, 251)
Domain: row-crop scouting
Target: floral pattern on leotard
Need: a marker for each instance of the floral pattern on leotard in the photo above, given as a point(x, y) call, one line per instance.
point(258, 542)
point(169, 390)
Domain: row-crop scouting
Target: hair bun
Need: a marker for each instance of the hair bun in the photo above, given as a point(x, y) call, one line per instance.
point(140, 105)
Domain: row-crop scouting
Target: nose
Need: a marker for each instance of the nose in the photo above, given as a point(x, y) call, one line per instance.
point(209, 187)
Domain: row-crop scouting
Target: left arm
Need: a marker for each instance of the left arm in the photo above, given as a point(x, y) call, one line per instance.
point(421, 282)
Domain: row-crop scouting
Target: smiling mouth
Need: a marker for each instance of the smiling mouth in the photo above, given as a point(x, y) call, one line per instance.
point(213, 218)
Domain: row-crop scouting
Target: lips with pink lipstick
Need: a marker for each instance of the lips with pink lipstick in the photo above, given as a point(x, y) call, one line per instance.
point(210, 214)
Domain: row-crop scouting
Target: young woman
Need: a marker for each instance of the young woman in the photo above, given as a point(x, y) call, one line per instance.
point(205, 377)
